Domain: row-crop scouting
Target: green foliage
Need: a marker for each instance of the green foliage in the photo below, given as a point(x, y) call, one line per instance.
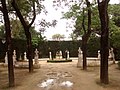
point(114, 24)
point(25, 7)
point(93, 46)
point(73, 36)
point(114, 27)
point(115, 41)
point(95, 22)
point(73, 12)
point(45, 47)
point(58, 37)
point(114, 12)
point(2, 32)
point(17, 30)
point(36, 37)
point(76, 12)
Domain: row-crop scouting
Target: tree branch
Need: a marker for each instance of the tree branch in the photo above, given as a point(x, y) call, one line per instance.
point(83, 22)
point(18, 13)
point(89, 16)
point(34, 15)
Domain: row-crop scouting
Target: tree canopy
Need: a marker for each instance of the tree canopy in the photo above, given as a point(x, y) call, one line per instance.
point(58, 37)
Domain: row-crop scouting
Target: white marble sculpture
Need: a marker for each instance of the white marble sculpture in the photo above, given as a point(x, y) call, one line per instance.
point(99, 54)
point(36, 56)
point(6, 58)
point(60, 54)
point(50, 56)
point(79, 57)
point(20, 58)
point(68, 54)
point(25, 57)
point(111, 55)
point(14, 57)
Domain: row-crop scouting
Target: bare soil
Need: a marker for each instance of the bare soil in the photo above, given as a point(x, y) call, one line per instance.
point(81, 80)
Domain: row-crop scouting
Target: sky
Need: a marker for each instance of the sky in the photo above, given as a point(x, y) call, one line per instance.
point(53, 14)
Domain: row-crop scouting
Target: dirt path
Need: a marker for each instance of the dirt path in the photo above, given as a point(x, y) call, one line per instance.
point(61, 72)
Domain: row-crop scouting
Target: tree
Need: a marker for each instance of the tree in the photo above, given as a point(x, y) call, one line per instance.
point(58, 37)
point(113, 10)
point(86, 35)
point(4, 10)
point(26, 27)
point(36, 38)
point(104, 50)
point(73, 36)
point(25, 16)
point(81, 24)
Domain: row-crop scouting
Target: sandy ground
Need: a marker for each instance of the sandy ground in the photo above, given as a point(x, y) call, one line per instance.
point(58, 73)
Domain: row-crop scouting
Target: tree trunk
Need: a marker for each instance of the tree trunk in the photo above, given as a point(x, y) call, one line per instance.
point(27, 32)
point(8, 41)
point(29, 49)
point(86, 35)
point(84, 49)
point(104, 50)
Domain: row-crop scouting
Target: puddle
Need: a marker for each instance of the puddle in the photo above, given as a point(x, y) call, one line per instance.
point(56, 79)
point(66, 84)
point(46, 83)
point(51, 83)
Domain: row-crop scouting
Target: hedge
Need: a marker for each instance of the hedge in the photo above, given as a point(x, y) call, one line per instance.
point(44, 47)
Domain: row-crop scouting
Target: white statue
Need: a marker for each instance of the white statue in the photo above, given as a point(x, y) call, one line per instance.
point(68, 56)
point(36, 56)
point(25, 57)
point(50, 56)
point(111, 55)
point(14, 57)
point(20, 58)
point(98, 54)
point(60, 54)
point(6, 59)
point(79, 57)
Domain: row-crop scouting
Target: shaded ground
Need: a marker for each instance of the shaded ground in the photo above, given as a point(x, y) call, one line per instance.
point(60, 72)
